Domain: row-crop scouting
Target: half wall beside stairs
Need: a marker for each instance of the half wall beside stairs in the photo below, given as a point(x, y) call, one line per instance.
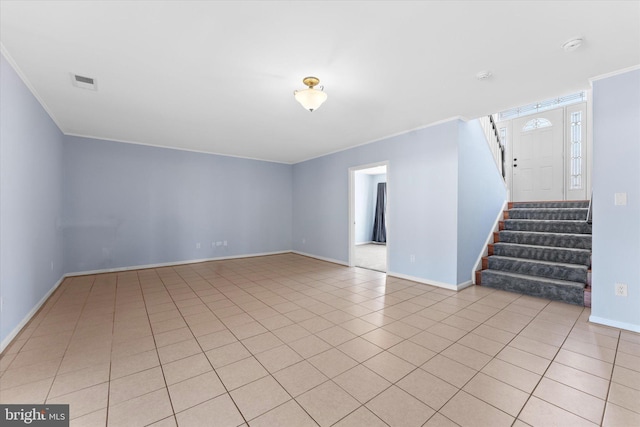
point(543, 249)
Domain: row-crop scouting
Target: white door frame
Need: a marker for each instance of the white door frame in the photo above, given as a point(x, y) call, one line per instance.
point(352, 208)
point(588, 149)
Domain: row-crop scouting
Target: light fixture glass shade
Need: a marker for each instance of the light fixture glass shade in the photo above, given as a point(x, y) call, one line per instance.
point(310, 98)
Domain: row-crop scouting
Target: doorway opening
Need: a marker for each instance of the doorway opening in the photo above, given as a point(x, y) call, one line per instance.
point(368, 207)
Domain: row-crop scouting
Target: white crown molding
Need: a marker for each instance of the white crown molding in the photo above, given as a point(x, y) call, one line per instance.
point(146, 144)
point(26, 82)
point(439, 122)
point(613, 73)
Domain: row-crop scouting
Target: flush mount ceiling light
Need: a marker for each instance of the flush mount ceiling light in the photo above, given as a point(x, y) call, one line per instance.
point(573, 44)
point(310, 98)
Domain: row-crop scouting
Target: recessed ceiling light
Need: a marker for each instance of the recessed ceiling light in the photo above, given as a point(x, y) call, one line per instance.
point(573, 44)
point(483, 75)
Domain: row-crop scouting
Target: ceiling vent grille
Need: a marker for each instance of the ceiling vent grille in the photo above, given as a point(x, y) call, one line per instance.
point(84, 82)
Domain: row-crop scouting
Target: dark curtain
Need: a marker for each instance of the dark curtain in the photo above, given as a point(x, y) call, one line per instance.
point(379, 226)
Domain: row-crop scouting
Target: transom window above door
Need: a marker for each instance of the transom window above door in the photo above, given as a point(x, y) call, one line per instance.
point(536, 124)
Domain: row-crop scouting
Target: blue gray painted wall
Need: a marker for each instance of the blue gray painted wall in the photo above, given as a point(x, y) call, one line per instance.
point(616, 229)
point(127, 205)
point(481, 195)
point(30, 195)
point(423, 203)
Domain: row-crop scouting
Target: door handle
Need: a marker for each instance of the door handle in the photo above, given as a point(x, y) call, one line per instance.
point(515, 160)
point(515, 166)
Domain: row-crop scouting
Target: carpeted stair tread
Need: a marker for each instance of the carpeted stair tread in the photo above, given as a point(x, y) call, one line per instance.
point(549, 213)
point(563, 290)
point(567, 240)
point(541, 249)
point(548, 226)
point(552, 270)
point(543, 253)
point(560, 204)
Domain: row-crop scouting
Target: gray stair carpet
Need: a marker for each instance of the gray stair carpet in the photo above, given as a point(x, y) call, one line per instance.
point(543, 249)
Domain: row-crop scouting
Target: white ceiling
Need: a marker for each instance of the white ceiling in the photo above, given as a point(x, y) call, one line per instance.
point(219, 76)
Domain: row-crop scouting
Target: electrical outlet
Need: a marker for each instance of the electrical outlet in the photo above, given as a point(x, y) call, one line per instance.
point(412, 258)
point(224, 243)
point(304, 240)
point(621, 290)
point(1, 304)
point(197, 245)
point(218, 243)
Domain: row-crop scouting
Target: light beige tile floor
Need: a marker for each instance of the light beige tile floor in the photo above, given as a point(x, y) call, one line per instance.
point(287, 340)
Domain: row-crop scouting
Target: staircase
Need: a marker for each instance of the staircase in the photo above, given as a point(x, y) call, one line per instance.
point(543, 249)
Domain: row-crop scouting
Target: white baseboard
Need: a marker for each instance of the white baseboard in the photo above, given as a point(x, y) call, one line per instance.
point(321, 258)
point(170, 264)
point(443, 285)
point(7, 340)
point(614, 323)
point(365, 243)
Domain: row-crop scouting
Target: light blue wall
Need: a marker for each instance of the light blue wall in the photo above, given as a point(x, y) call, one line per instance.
point(30, 196)
point(436, 211)
point(422, 201)
point(616, 229)
point(127, 205)
point(481, 195)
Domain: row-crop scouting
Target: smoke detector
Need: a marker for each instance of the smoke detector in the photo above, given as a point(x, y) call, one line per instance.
point(483, 75)
point(84, 82)
point(573, 44)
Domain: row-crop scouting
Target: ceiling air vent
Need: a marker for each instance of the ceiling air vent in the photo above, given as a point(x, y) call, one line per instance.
point(84, 82)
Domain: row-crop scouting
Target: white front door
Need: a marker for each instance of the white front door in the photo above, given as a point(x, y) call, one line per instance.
point(538, 172)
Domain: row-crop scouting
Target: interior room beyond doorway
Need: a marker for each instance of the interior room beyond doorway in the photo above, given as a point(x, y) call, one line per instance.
point(370, 202)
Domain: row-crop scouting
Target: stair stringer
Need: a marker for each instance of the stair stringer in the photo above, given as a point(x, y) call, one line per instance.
point(485, 248)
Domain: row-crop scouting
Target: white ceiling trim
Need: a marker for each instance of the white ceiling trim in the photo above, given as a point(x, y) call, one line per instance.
point(614, 73)
point(217, 76)
point(439, 122)
point(29, 86)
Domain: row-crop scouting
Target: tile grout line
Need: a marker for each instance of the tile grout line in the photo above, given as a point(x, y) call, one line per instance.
point(547, 369)
point(155, 344)
point(334, 291)
point(70, 338)
point(460, 389)
point(613, 368)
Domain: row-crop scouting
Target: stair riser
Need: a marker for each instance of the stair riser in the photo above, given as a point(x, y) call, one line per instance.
point(548, 226)
point(543, 254)
point(548, 214)
point(568, 294)
point(547, 239)
point(573, 274)
point(577, 204)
